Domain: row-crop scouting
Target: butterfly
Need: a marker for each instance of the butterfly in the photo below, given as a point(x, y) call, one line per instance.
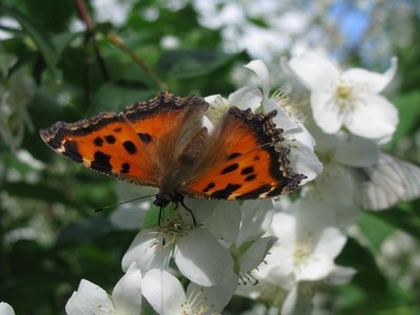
point(389, 181)
point(163, 143)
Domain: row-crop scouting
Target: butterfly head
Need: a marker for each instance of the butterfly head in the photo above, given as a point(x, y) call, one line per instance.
point(163, 198)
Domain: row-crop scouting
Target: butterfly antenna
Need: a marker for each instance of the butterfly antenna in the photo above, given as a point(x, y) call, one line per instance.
point(123, 202)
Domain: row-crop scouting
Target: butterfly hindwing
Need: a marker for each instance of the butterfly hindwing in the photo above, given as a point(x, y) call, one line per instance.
point(130, 144)
point(245, 160)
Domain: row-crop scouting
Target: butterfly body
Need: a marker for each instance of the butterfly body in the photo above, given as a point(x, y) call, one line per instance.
point(163, 143)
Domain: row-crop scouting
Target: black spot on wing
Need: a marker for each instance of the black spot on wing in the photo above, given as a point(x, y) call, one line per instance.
point(125, 168)
point(145, 137)
point(208, 187)
point(230, 168)
point(226, 192)
point(254, 194)
point(129, 147)
point(110, 139)
point(250, 177)
point(247, 170)
point(256, 158)
point(233, 156)
point(118, 129)
point(72, 151)
point(98, 141)
point(101, 162)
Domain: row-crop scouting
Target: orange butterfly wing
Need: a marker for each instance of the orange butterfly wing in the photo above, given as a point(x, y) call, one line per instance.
point(129, 144)
point(245, 160)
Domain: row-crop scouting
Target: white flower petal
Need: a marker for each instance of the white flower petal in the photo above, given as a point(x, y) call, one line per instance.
point(256, 219)
point(201, 208)
point(202, 259)
point(331, 243)
point(284, 228)
point(327, 114)
point(279, 266)
point(316, 267)
point(316, 72)
point(246, 97)
point(371, 81)
point(89, 299)
point(225, 220)
point(337, 185)
point(218, 107)
point(282, 119)
point(163, 291)
point(356, 151)
point(145, 251)
point(320, 211)
point(255, 254)
point(206, 122)
point(301, 134)
point(217, 297)
point(260, 69)
point(127, 292)
point(303, 160)
point(341, 275)
point(6, 309)
point(373, 117)
point(289, 304)
point(215, 100)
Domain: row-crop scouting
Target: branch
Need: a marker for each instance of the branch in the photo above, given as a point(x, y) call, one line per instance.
point(90, 36)
point(119, 43)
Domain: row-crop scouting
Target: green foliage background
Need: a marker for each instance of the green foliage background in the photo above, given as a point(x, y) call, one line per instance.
point(39, 273)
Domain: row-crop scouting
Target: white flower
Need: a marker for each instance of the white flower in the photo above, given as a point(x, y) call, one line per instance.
point(196, 252)
point(341, 153)
point(6, 309)
point(167, 296)
point(246, 97)
point(241, 231)
point(348, 98)
point(305, 252)
point(90, 299)
point(296, 137)
point(16, 91)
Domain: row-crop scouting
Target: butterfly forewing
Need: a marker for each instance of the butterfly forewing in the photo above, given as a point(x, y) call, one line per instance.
point(132, 145)
point(245, 160)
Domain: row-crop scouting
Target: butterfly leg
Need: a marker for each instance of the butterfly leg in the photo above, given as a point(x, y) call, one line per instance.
point(161, 216)
point(190, 211)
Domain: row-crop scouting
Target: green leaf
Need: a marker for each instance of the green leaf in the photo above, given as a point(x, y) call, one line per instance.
point(41, 40)
point(409, 113)
point(36, 191)
point(85, 230)
point(114, 96)
point(404, 217)
point(62, 40)
point(183, 64)
point(368, 275)
point(374, 229)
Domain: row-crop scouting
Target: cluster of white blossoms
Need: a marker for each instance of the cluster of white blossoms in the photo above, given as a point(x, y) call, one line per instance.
point(275, 250)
